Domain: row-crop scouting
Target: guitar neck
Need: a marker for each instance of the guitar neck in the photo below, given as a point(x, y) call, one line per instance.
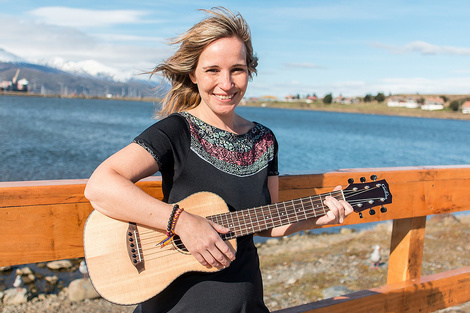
point(254, 220)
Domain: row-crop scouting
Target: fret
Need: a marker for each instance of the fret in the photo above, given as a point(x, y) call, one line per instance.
point(304, 210)
point(264, 226)
point(320, 206)
point(282, 213)
point(268, 218)
point(286, 216)
point(257, 218)
point(313, 207)
point(250, 225)
point(238, 223)
point(295, 212)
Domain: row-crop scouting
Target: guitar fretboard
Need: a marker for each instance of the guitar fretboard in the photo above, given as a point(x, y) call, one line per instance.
point(250, 221)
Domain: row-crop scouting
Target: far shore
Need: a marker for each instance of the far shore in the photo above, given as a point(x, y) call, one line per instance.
point(374, 107)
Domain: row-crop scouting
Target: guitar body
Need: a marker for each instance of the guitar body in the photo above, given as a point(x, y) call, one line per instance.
point(111, 269)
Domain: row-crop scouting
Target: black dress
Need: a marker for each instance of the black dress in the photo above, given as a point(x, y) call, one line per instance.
point(194, 156)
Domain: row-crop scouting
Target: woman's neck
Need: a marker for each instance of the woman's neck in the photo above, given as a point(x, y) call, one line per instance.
point(229, 122)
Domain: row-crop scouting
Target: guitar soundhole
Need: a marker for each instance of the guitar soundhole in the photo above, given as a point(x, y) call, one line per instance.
point(178, 244)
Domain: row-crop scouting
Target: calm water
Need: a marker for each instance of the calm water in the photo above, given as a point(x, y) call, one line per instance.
point(51, 138)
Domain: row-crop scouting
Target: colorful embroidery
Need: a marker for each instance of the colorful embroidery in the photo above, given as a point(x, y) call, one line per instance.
point(240, 155)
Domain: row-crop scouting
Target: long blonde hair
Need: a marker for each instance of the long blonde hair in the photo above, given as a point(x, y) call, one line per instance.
point(176, 69)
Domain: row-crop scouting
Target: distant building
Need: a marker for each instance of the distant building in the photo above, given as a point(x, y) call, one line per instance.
point(433, 103)
point(15, 84)
point(345, 100)
point(466, 107)
point(268, 98)
point(289, 98)
point(409, 103)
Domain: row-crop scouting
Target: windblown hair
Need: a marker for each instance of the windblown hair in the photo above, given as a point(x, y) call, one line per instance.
point(176, 69)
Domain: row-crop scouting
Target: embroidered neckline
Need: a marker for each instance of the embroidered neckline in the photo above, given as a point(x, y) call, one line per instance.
point(240, 155)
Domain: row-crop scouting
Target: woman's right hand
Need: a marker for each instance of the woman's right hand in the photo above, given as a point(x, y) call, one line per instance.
point(202, 239)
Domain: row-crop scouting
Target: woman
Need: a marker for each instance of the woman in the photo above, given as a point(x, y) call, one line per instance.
point(201, 144)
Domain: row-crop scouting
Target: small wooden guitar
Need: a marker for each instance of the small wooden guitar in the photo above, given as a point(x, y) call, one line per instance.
point(126, 267)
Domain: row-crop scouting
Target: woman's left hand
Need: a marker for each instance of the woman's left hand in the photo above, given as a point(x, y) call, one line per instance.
point(339, 210)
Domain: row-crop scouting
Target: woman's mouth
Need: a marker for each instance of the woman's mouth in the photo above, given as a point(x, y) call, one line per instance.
point(224, 97)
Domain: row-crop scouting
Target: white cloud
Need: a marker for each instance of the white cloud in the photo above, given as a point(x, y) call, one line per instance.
point(424, 48)
point(73, 17)
point(305, 65)
point(38, 41)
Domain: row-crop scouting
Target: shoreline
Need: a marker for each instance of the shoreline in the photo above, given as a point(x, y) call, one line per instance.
point(373, 108)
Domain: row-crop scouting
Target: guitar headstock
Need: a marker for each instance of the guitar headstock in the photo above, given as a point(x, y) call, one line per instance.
point(363, 196)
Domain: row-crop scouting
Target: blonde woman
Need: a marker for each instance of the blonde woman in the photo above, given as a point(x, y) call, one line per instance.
point(201, 144)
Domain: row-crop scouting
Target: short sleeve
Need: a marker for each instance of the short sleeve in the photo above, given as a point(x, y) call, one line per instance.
point(273, 163)
point(165, 139)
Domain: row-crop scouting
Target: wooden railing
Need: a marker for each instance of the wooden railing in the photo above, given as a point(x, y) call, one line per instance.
point(43, 220)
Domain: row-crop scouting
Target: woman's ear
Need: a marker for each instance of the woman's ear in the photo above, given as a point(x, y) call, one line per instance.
point(193, 78)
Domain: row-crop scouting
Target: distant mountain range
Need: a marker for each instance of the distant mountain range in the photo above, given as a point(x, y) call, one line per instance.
point(62, 77)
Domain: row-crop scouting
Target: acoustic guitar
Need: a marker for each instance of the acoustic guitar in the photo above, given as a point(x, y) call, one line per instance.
point(126, 267)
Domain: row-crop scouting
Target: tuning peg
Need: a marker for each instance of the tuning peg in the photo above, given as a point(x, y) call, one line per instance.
point(373, 177)
point(383, 209)
point(363, 179)
point(351, 180)
point(372, 212)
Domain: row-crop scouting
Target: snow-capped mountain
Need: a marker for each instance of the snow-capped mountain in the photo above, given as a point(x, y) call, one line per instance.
point(59, 76)
point(8, 57)
point(87, 68)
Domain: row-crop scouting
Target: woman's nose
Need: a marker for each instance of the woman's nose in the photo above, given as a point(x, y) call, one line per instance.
point(225, 81)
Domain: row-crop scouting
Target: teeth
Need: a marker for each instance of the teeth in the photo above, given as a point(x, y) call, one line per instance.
point(222, 97)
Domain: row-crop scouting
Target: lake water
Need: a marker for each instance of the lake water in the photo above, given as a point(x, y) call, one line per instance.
point(53, 138)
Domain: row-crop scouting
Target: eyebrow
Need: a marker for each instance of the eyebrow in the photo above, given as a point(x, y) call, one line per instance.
point(216, 66)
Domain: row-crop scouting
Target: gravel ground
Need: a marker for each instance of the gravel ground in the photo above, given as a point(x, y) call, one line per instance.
point(298, 269)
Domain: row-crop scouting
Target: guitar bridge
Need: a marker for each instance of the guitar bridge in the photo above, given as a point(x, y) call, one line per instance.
point(134, 248)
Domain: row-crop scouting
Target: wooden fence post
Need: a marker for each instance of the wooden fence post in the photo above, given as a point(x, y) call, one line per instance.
point(406, 249)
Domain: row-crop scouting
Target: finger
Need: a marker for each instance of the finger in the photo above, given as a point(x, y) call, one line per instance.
point(210, 261)
point(227, 250)
point(348, 209)
point(220, 259)
point(338, 188)
point(336, 209)
point(200, 258)
point(219, 228)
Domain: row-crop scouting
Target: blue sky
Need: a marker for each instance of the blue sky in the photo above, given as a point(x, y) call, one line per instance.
point(304, 47)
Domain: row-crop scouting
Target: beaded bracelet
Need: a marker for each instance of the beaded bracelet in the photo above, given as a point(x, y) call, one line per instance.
point(170, 230)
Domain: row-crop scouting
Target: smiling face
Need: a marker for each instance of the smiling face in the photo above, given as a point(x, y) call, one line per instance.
point(221, 75)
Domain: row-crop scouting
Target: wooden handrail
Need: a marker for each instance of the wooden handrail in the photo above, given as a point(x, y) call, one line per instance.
point(44, 220)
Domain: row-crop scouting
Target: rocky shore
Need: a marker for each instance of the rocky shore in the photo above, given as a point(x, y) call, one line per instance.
point(296, 270)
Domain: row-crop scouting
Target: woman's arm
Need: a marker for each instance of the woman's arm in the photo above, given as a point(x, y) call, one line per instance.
point(111, 190)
